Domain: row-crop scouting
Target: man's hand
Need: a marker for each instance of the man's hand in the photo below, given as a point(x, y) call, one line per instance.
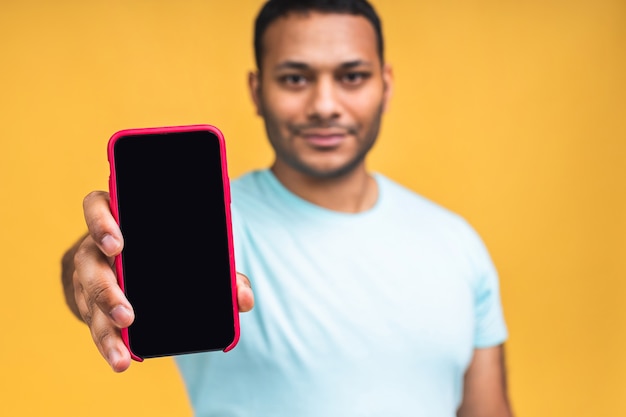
point(91, 288)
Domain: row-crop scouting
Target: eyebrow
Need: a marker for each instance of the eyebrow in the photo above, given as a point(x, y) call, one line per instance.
point(304, 66)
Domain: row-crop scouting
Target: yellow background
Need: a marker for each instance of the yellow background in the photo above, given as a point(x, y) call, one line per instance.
point(511, 113)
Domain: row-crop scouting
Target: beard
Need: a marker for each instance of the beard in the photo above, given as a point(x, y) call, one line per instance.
point(289, 155)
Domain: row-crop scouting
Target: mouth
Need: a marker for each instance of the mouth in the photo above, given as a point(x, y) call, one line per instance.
point(324, 139)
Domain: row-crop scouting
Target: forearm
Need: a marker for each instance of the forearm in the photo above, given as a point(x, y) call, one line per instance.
point(503, 410)
point(67, 277)
point(485, 392)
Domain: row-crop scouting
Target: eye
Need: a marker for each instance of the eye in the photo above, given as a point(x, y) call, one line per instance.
point(354, 78)
point(293, 80)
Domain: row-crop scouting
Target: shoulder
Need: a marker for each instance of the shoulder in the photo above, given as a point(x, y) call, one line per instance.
point(417, 212)
point(247, 186)
point(397, 197)
point(255, 200)
point(252, 194)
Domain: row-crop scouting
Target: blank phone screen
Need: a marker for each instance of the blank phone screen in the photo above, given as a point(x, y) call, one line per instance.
point(176, 258)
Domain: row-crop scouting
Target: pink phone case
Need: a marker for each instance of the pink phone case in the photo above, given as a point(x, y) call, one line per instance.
point(227, 200)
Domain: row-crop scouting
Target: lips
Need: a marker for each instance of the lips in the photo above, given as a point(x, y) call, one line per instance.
point(324, 138)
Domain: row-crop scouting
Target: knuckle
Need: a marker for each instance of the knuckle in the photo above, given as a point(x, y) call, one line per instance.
point(103, 335)
point(95, 206)
point(94, 279)
point(78, 290)
point(87, 317)
point(79, 297)
point(85, 312)
point(100, 294)
point(83, 251)
point(78, 286)
point(92, 197)
point(97, 229)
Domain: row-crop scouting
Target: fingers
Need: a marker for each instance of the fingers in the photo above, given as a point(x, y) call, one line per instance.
point(101, 303)
point(101, 223)
point(245, 296)
point(109, 342)
point(98, 285)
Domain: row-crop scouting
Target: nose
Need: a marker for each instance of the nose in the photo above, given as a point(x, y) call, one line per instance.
point(323, 103)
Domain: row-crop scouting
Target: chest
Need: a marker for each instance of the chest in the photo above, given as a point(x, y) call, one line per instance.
point(400, 297)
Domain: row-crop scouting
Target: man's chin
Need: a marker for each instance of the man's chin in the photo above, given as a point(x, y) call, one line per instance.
point(327, 171)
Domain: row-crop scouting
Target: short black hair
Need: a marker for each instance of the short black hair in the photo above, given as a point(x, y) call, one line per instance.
point(273, 9)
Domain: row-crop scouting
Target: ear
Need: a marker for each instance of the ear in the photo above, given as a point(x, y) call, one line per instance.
point(387, 85)
point(254, 84)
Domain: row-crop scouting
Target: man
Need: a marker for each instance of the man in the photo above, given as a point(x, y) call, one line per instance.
point(368, 299)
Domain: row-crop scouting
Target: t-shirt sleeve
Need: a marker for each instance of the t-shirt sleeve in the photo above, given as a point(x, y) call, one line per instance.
point(490, 325)
point(490, 328)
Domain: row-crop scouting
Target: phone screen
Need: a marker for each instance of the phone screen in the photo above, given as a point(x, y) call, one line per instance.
point(172, 202)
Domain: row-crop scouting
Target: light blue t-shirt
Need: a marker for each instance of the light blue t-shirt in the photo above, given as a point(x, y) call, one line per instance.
point(369, 314)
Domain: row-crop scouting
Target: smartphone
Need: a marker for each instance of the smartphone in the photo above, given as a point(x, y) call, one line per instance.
point(170, 195)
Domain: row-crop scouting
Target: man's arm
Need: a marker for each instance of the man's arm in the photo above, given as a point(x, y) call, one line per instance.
point(485, 390)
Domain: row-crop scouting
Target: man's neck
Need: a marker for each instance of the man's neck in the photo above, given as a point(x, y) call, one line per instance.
point(353, 192)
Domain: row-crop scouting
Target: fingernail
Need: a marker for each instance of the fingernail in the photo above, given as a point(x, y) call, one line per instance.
point(121, 315)
point(109, 244)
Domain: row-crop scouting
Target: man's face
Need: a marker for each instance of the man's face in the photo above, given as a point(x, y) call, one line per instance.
point(321, 91)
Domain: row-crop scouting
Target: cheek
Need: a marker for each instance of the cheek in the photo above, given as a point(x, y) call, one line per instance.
point(364, 105)
point(283, 107)
point(368, 115)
